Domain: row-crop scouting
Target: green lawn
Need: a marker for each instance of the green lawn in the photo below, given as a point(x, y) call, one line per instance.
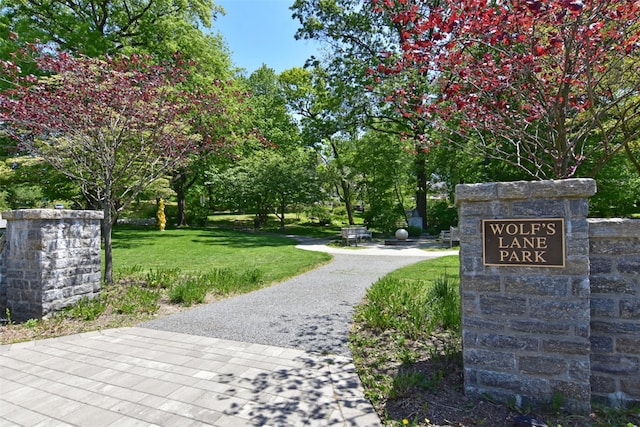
point(200, 250)
point(429, 269)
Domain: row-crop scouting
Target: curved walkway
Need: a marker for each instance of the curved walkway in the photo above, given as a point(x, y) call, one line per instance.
point(274, 357)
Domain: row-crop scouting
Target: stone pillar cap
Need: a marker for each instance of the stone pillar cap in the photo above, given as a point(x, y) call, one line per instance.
point(35, 214)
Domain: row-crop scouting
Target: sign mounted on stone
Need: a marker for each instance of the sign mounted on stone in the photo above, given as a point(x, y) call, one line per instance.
point(523, 242)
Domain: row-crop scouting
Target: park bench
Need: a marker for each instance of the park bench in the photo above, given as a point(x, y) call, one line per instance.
point(355, 234)
point(450, 236)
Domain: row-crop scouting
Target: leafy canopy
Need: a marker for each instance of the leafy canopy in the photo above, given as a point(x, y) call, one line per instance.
point(543, 85)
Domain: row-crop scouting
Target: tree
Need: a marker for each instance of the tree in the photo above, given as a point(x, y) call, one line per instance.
point(96, 27)
point(232, 134)
point(385, 179)
point(328, 124)
point(271, 182)
point(48, 186)
point(542, 85)
point(360, 40)
point(158, 28)
point(113, 125)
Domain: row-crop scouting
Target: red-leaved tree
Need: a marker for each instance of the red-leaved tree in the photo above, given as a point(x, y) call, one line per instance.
point(112, 125)
point(544, 85)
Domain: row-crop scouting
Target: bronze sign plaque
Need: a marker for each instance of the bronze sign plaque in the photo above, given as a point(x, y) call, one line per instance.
point(523, 242)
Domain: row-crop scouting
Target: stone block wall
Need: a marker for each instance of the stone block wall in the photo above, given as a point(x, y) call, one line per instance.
point(526, 329)
point(614, 252)
point(50, 259)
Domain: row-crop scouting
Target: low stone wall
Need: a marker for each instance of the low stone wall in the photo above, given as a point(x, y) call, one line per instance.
point(614, 253)
point(51, 259)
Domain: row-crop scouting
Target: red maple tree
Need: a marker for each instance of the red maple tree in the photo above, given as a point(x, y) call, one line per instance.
point(113, 125)
point(544, 85)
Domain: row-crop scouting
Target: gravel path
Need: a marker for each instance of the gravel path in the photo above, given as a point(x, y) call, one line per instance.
point(312, 311)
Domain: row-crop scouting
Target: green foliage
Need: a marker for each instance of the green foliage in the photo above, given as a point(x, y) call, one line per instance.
point(96, 28)
point(4, 200)
point(161, 277)
point(320, 213)
point(384, 216)
point(414, 231)
point(194, 289)
point(387, 346)
point(402, 306)
point(87, 308)
point(32, 183)
point(444, 300)
point(412, 307)
point(31, 323)
point(386, 180)
point(406, 381)
point(618, 192)
point(440, 216)
point(25, 196)
point(134, 299)
point(624, 416)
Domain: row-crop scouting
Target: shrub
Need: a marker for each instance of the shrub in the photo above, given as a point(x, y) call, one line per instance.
point(441, 216)
point(161, 277)
point(384, 217)
point(414, 231)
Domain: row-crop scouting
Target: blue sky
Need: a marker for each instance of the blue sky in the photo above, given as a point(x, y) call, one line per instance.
point(261, 31)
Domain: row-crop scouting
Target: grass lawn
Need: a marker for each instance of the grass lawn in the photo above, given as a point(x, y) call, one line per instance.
point(429, 269)
point(200, 250)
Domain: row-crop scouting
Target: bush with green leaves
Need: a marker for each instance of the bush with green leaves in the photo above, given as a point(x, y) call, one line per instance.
point(440, 216)
point(384, 216)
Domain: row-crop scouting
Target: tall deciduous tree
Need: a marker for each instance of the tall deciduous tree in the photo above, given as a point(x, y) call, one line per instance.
point(94, 27)
point(327, 123)
point(360, 40)
point(113, 125)
point(541, 84)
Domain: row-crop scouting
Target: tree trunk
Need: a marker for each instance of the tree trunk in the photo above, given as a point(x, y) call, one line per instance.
point(182, 209)
point(421, 188)
point(346, 193)
point(180, 183)
point(107, 227)
point(282, 209)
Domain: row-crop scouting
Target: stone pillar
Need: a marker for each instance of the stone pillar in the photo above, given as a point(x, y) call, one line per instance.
point(614, 252)
point(524, 283)
point(51, 259)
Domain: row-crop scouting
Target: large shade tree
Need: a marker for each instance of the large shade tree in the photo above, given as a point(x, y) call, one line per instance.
point(359, 40)
point(158, 28)
point(544, 85)
point(94, 27)
point(112, 125)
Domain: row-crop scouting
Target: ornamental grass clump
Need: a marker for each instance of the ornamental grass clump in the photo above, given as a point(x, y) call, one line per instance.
point(412, 307)
point(218, 282)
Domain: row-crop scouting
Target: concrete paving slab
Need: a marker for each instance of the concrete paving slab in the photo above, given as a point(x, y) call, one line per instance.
point(213, 366)
point(143, 391)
